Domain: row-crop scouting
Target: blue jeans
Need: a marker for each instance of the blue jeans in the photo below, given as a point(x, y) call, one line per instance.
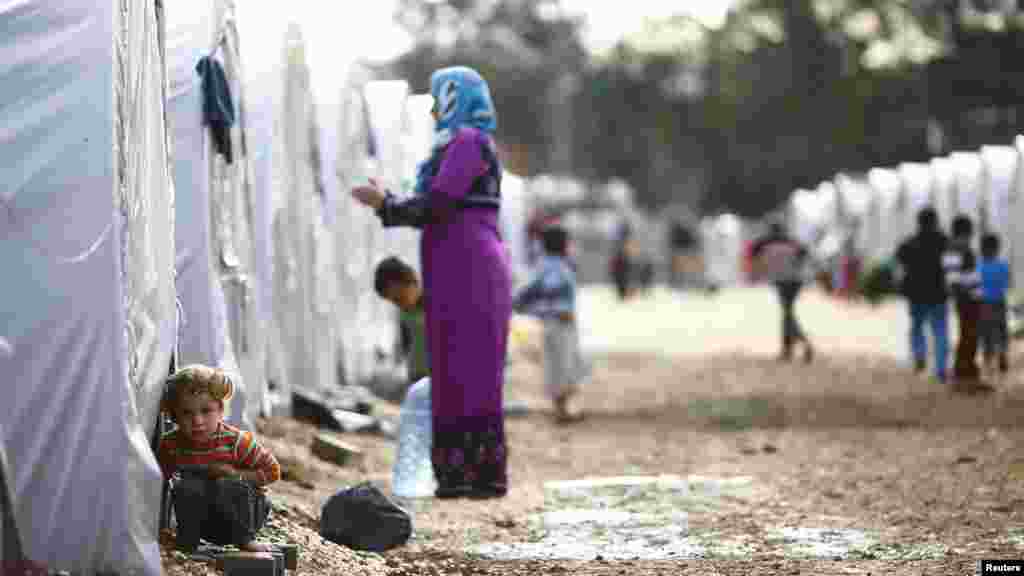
point(936, 316)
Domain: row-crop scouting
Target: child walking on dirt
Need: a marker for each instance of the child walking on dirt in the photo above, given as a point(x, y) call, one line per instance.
point(962, 275)
point(396, 282)
point(217, 470)
point(551, 296)
point(995, 282)
point(782, 260)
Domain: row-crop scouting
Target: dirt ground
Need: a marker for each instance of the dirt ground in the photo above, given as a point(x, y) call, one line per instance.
point(686, 385)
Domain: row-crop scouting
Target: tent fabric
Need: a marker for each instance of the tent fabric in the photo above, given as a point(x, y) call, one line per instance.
point(234, 195)
point(944, 194)
point(306, 332)
point(918, 188)
point(855, 195)
point(1000, 168)
point(1016, 211)
point(193, 31)
point(513, 215)
point(74, 223)
point(969, 183)
point(722, 242)
point(890, 230)
point(260, 58)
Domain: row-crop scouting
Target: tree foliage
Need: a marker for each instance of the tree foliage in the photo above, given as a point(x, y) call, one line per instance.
point(784, 95)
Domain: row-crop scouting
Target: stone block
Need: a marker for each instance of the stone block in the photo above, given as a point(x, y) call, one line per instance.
point(291, 555)
point(330, 448)
point(248, 564)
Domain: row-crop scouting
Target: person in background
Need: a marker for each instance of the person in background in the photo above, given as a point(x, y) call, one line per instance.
point(551, 296)
point(995, 282)
point(222, 469)
point(782, 260)
point(964, 281)
point(467, 283)
point(923, 284)
point(396, 282)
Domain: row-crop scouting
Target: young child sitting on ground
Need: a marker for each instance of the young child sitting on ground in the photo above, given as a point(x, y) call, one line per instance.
point(995, 282)
point(551, 296)
point(396, 282)
point(217, 470)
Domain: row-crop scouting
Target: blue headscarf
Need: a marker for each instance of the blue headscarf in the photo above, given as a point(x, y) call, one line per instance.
point(462, 99)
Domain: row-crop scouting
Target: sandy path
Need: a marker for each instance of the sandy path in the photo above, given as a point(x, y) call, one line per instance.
point(684, 384)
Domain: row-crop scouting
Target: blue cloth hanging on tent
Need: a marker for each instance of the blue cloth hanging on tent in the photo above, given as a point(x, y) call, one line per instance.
point(218, 107)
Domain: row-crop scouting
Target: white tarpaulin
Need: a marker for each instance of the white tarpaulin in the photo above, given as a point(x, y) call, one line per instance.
point(1001, 177)
point(86, 315)
point(806, 215)
point(513, 224)
point(262, 27)
point(194, 30)
point(944, 180)
point(722, 240)
point(855, 197)
point(970, 184)
point(302, 291)
point(1016, 232)
point(918, 186)
point(236, 204)
point(887, 224)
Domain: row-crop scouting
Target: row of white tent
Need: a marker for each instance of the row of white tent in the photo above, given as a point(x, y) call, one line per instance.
point(126, 239)
point(878, 210)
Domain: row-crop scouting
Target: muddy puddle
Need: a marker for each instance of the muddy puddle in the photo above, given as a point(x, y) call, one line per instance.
point(648, 518)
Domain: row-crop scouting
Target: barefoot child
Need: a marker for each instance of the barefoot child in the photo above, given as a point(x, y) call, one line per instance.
point(217, 470)
point(551, 296)
point(396, 282)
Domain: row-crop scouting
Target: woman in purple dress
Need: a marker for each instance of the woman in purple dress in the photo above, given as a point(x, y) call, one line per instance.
point(467, 284)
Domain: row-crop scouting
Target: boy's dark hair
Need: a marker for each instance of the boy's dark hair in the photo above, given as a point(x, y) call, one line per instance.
point(962, 226)
point(927, 219)
point(391, 271)
point(990, 246)
point(555, 240)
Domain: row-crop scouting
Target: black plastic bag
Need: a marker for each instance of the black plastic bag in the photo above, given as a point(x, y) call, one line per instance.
point(363, 518)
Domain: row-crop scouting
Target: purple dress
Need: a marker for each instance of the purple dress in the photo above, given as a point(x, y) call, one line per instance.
point(467, 305)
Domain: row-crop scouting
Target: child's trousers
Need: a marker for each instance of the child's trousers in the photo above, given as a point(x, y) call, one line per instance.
point(223, 511)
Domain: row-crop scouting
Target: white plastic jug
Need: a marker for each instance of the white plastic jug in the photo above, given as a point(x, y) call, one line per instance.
point(413, 475)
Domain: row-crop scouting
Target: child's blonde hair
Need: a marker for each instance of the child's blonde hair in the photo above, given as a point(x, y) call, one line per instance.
point(196, 379)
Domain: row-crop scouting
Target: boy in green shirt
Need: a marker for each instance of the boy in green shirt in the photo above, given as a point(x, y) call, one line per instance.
point(396, 282)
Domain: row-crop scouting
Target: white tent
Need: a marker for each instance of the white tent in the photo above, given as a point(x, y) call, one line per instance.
point(204, 208)
point(970, 184)
point(886, 215)
point(262, 28)
point(1016, 232)
point(1000, 176)
point(918, 188)
point(855, 196)
point(302, 297)
point(722, 241)
point(806, 215)
point(87, 317)
point(514, 211)
point(944, 193)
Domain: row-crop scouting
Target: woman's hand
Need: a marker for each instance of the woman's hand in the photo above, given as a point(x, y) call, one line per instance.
point(370, 195)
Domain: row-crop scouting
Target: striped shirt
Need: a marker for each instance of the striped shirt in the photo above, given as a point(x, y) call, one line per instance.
point(228, 445)
point(962, 272)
